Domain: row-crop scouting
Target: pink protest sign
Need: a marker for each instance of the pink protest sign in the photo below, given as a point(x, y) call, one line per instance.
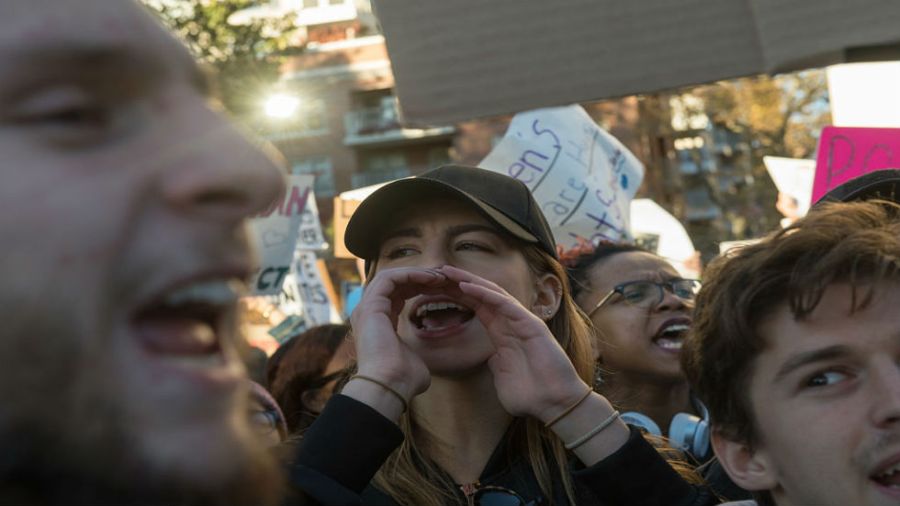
point(845, 153)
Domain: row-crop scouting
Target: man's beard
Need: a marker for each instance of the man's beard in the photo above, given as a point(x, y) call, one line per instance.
point(40, 468)
point(63, 439)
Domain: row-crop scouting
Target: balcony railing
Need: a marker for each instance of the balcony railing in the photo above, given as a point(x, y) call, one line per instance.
point(371, 121)
point(380, 125)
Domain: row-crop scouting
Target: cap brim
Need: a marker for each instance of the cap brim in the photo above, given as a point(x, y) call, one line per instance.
point(378, 211)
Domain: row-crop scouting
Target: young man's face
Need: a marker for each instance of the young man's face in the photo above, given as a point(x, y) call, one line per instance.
point(122, 207)
point(826, 397)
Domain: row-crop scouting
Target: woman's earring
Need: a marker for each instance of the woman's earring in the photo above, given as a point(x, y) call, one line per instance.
point(548, 312)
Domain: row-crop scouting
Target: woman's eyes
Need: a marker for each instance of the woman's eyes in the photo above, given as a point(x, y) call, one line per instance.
point(636, 293)
point(401, 252)
point(472, 246)
point(405, 251)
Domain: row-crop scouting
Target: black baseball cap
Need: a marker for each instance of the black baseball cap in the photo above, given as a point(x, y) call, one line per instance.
point(880, 184)
point(506, 202)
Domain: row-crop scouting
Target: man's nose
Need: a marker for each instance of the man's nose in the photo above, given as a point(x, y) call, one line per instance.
point(884, 386)
point(218, 172)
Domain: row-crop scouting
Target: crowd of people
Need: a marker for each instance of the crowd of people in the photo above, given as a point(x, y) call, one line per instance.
point(481, 366)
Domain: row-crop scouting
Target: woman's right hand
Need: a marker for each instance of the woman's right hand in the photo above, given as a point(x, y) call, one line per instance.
point(380, 353)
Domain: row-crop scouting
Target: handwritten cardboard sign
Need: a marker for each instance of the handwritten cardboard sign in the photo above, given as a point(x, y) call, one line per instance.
point(312, 286)
point(311, 237)
point(660, 232)
point(546, 53)
point(582, 177)
point(794, 177)
point(846, 153)
point(275, 231)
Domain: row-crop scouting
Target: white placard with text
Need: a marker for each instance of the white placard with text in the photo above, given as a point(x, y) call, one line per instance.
point(582, 177)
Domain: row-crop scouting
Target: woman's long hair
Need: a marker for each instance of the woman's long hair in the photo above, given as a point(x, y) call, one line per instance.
point(413, 479)
point(296, 369)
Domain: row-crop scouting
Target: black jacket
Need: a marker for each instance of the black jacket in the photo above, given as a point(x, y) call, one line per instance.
point(348, 443)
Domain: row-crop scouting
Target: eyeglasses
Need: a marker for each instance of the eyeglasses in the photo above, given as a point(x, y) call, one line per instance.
point(493, 496)
point(648, 294)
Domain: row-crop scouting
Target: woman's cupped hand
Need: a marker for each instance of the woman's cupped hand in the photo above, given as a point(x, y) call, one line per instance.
point(380, 352)
point(532, 373)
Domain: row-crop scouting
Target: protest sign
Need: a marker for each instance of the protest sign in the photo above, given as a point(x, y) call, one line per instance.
point(845, 153)
point(311, 237)
point(275, 232)
point(314, 289)
point(344, 206)
point(343, 210)
point(794, 177)
point(464, 59)
point(658, 231)
point(582, 178)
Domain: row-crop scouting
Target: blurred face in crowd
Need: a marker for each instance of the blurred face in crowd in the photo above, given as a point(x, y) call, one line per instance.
point(633, 340)
point(314, 399)
point(264, 420)
point(825, 394)
point(124, 198)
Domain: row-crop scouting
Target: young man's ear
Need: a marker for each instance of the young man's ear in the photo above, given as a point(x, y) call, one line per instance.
point(749, 468)
point(549, 296)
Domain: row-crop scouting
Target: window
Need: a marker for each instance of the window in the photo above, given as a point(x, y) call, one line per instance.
point(383, 162)
point(336, 2)
point(314, 115)
point(319, 166)
point(310, 3)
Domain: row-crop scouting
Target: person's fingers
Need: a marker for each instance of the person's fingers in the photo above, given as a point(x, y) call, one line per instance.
point(403, 281)
point(458, 275)
point(391, 287)
point(492, 302)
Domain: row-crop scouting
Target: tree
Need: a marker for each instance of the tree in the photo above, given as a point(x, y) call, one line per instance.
point(245, 57)
point(772, 116)
point(783, 115)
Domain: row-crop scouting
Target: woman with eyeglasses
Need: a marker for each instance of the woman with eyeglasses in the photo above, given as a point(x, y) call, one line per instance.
point(473, 382)
point(641, 310)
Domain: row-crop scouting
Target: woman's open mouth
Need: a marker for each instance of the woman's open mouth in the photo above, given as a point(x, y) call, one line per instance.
point(439, 315)
point(671, 334)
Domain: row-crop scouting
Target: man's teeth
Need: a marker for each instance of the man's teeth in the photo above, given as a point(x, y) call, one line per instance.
point(890, 472)
point(214, 293)
point(198, 361)
point(436, 306)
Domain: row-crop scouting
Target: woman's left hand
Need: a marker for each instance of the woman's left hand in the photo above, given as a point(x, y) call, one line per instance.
point(532, 373)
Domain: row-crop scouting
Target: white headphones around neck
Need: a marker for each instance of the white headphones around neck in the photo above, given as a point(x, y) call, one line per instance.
point(687, 432)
